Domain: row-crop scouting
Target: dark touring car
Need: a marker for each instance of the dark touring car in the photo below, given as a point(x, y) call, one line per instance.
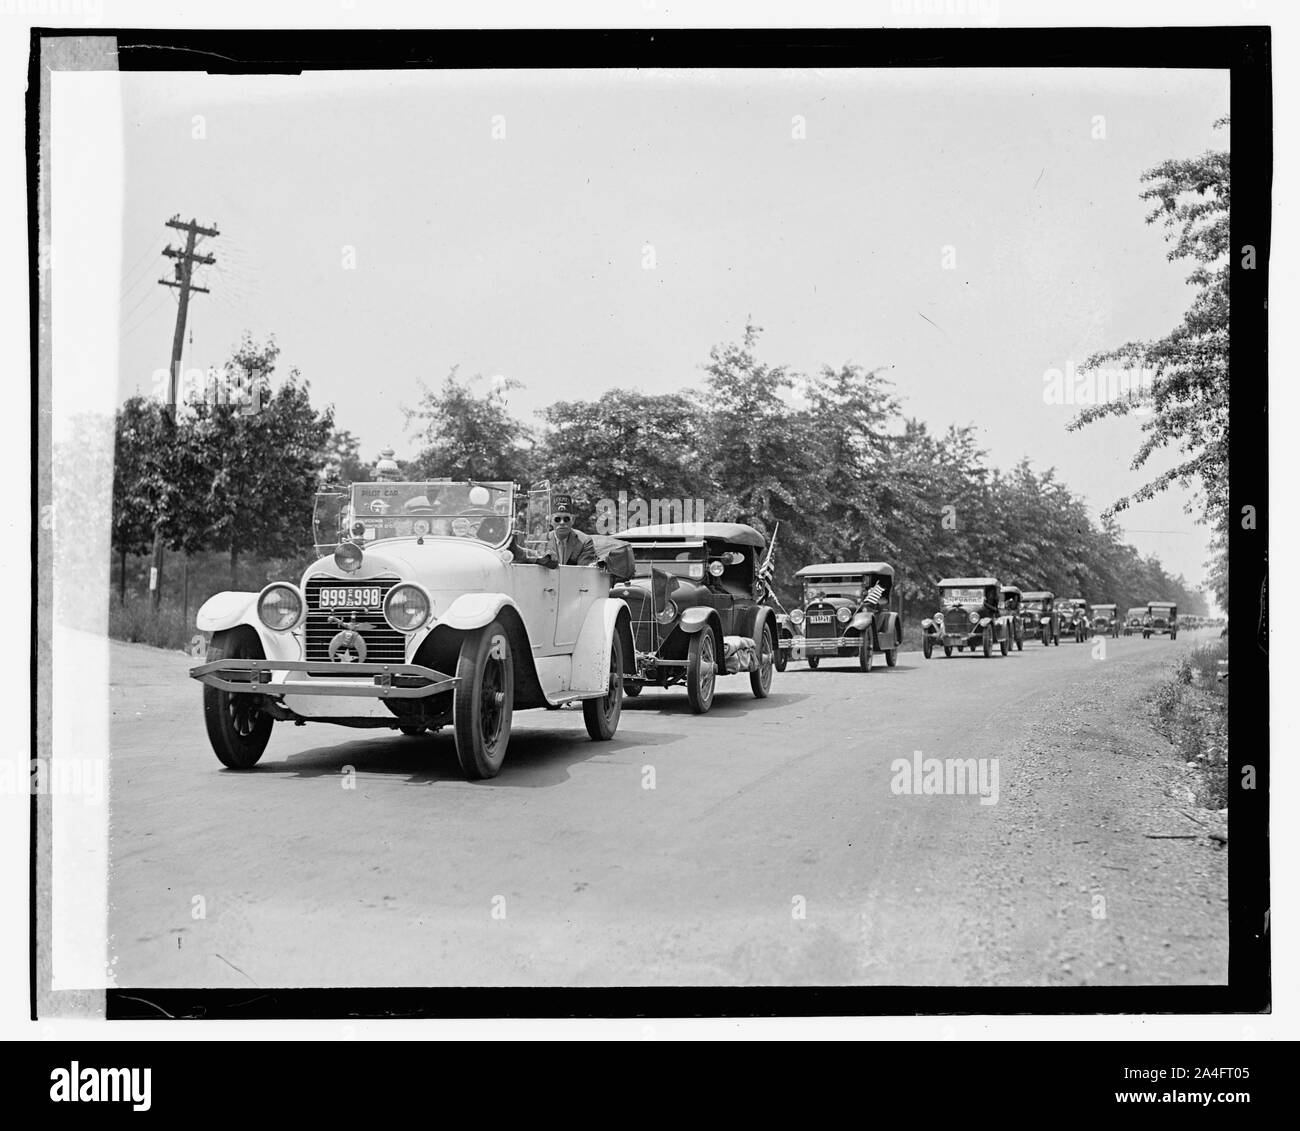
point(845, 612)
point(970, 616)
point(1040, 616)
point(697, 609)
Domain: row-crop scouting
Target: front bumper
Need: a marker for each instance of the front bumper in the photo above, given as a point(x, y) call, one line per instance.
point(387, 681)
point(801, 646)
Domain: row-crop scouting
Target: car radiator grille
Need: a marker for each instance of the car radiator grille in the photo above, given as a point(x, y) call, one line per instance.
point(827, 630)
point(384, 645)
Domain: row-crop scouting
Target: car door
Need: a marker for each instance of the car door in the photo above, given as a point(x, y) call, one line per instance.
point(576, 591)
point(536, 592)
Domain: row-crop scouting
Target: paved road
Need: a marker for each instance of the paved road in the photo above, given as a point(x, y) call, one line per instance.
point(773, 848)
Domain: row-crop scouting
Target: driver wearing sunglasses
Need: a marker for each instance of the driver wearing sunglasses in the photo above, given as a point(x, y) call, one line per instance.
point(565, 544)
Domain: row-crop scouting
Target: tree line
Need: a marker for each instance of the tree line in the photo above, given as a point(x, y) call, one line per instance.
point(830, 457)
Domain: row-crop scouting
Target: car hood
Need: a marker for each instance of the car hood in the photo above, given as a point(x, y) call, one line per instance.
point(442, 563)
point(834, 602)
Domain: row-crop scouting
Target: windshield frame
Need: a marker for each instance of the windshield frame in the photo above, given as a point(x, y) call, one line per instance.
point(429, 508)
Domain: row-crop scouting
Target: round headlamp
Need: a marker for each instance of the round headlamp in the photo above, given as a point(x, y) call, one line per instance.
point(667, 614)
point(348, 557)
point(974, 617)
point(279, 607)
point(407, 607)
point(796, 616)
point(842, 614)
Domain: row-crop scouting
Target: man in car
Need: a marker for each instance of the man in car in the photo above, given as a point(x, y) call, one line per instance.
point(566, 545)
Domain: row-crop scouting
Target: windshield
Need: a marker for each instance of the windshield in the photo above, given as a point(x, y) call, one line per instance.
point(681, 559)
point(965, 596)
point(1035, 606)
point(439, 508)
point(850, 587)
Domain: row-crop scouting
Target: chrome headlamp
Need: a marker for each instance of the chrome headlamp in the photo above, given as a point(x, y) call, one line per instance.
point(348, 557)
point(407, 607)
point(842, 614)
point(280, 606)
point(796, 616)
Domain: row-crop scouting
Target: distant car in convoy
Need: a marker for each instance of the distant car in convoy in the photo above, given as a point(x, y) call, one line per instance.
point(1105, 621)
point(1134, 619)
point(1039, 614)
point(697, 610)
point(416, 616)
point(1075, 619)
point(1161, 620)
point(969, 616)
point(1011, 598)
point(846, 611)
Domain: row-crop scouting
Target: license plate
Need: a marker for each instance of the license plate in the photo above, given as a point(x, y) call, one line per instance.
point(350, 597)
point(819, 620)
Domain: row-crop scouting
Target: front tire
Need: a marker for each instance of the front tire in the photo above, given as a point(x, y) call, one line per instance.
point(927, 647)
point(483, 702)
point(701, 671)
point(891, 657)
point(780, 659)
point(988, 643)
point(760, 681)
point(1005, 645)
point(237, 729)
point(813, 661)
point(947, 651)
point(864, 651)
point(601, 715)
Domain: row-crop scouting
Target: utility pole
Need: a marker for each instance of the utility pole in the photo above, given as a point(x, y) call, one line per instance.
point(184, 271)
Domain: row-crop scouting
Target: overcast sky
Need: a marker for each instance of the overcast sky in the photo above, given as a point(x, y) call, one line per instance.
point(524, 255)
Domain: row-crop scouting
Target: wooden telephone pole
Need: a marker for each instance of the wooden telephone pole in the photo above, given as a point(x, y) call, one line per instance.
point(184, 272)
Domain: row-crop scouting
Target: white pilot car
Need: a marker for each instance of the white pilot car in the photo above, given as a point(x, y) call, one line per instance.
point(420, 614)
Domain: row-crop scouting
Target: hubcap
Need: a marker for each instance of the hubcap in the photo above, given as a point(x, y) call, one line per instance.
point(492, 697)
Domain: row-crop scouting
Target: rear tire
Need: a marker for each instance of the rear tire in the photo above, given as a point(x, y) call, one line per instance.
point(1005, 645)
point(780, 659)
point(701, 671)
point(237, 729)
point(601, 715)
point(891, 657)
point(760, 681)
point(483, 702)
point(813, 661)
point(947, 650)
point(631, 688)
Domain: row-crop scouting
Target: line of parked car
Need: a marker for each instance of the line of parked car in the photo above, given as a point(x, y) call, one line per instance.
point(424, 609)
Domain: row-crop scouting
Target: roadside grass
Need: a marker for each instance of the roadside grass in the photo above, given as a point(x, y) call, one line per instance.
point(138, 623)
point(1192, 709)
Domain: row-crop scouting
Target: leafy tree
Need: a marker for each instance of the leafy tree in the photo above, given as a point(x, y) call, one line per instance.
point(263, 465)
point(647, 445)
point(343, 462)
point(468, 436)
point(1188, 397)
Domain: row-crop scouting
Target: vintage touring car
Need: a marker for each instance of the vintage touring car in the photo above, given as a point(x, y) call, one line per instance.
point(417, 615)
point(1040, 616)
point(1011, 600)
point(846, 611)
point(1133, 619)
point(1161, 620)
point(697, 609)
point(1105, 620)
point(969, 616)
point(1076, 620)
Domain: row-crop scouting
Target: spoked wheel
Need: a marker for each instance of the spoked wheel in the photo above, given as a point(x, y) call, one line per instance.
point(813, 661)
point(237, 729)
point(864, 652)
point(484, 701)
point(760, 681)
point(701, 671)
point(601, 715)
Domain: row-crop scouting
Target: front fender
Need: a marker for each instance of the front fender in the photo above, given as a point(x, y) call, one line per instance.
point(590, 674)
point(695, 618)
point(928, 625)
point(889, 633)
point(227, 610)
point(861, 620)
point(985, 622)
point(475, 610)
